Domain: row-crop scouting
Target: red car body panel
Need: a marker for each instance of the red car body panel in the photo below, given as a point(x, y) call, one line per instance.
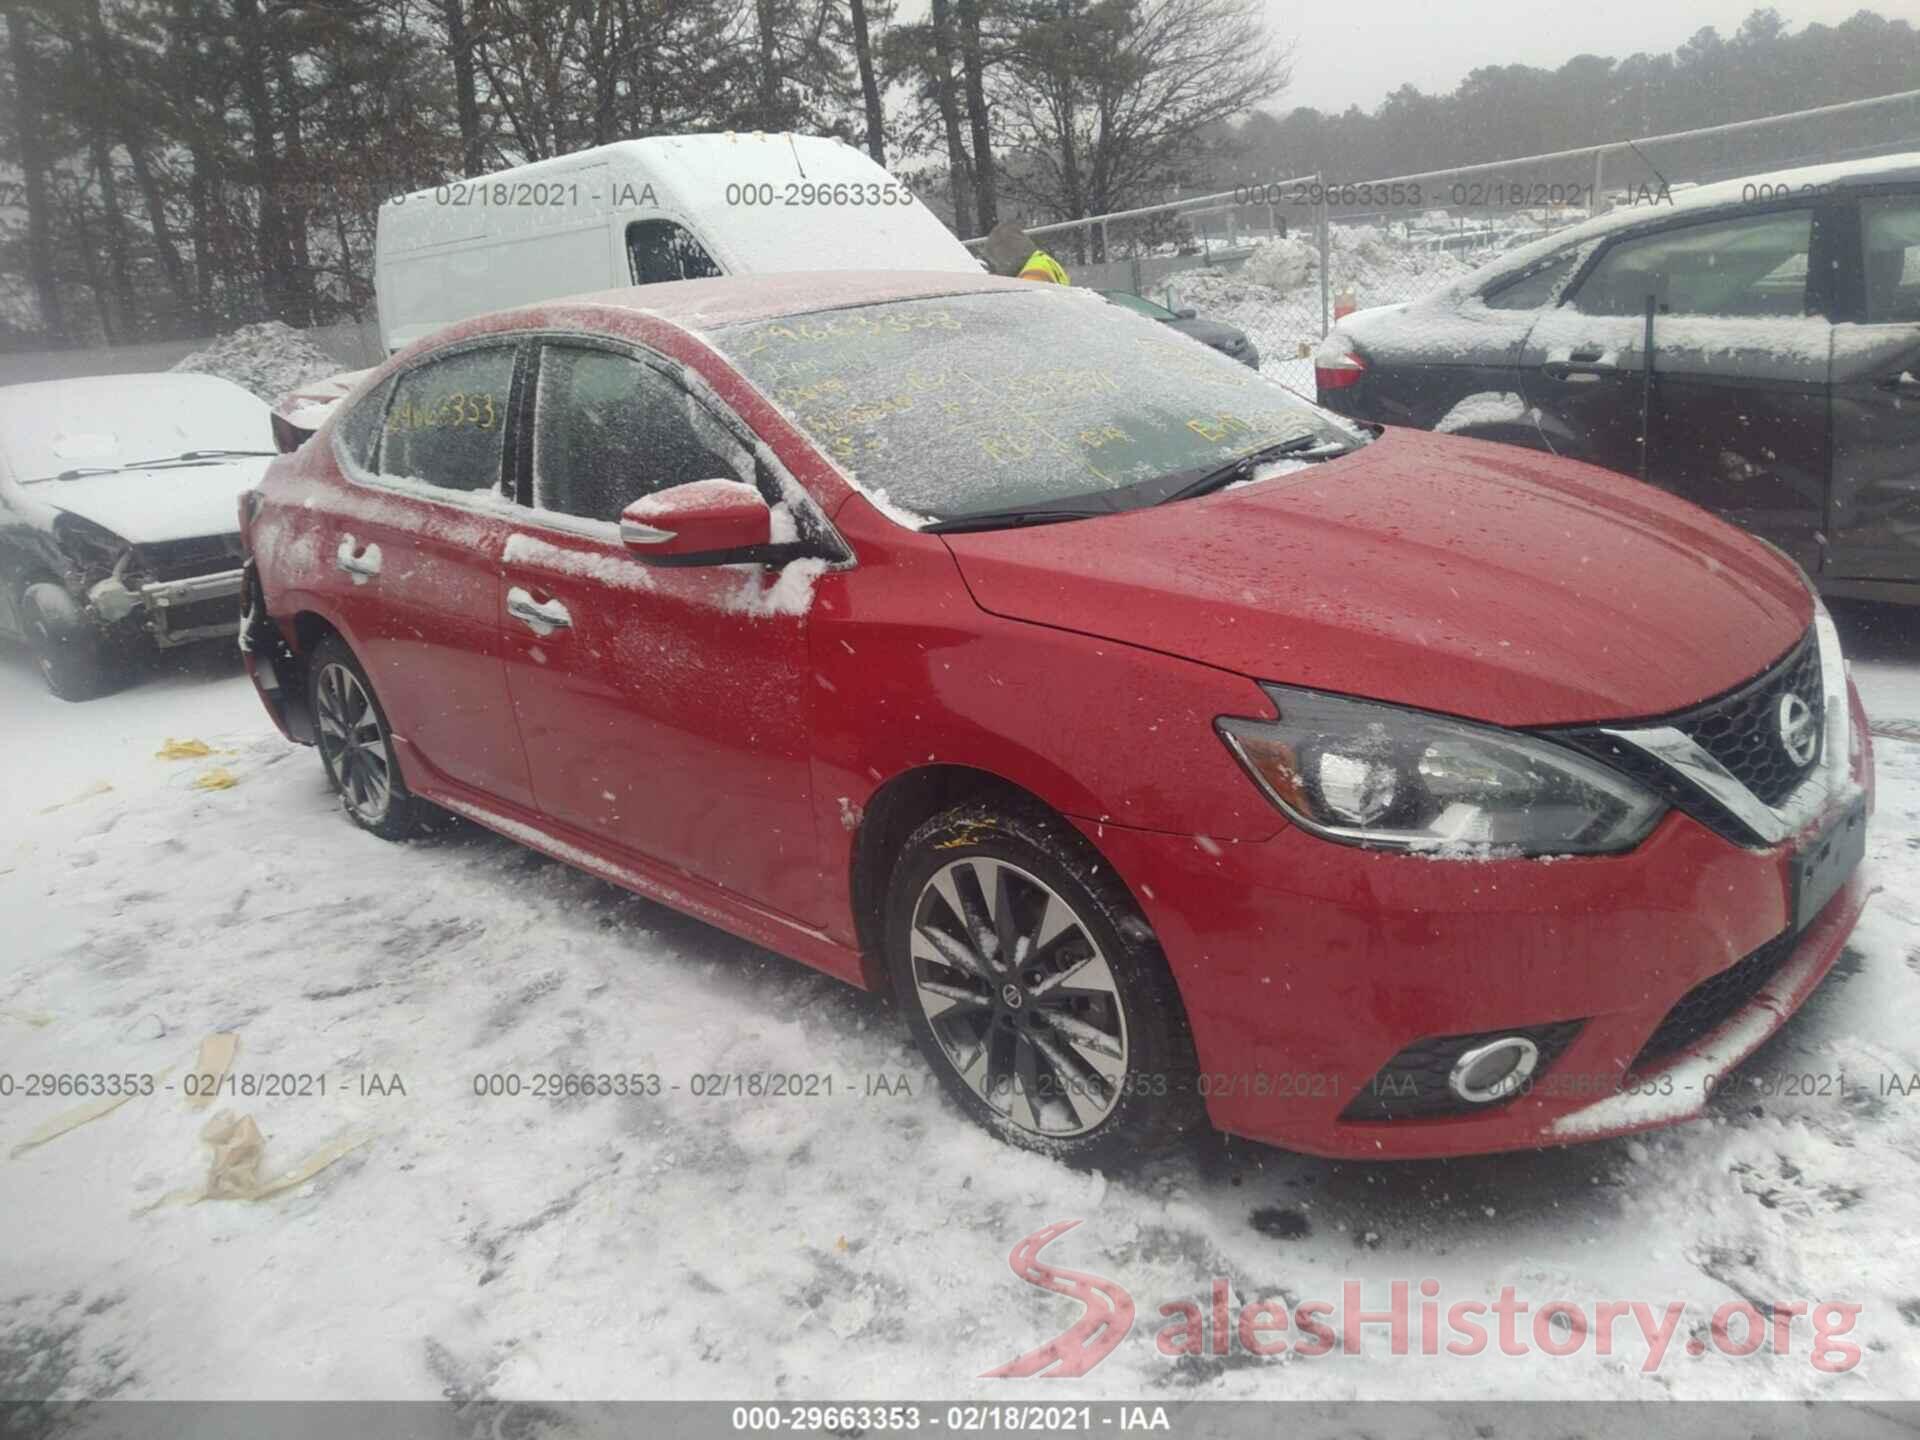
point(688, 742)
point(1453, 575)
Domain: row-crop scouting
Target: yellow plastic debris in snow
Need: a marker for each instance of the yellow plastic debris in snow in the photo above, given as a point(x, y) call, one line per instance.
point(183, 750)
point(215, 1059)
point(216, 779)
point(99, 787)
point(238, 1150)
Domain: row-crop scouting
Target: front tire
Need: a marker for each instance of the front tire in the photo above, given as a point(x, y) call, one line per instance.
point(356, 746)
point(1035, 989)
point(68, 650)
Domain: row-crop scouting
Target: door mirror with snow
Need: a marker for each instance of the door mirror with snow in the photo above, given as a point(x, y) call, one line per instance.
point(704, 522)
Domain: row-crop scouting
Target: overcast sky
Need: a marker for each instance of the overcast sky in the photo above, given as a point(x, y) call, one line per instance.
point(1355, 52)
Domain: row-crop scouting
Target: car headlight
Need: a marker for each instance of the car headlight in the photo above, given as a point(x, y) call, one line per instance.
point(1379, 775)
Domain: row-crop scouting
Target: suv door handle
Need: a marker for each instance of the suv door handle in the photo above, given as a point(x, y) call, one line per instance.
point(362, 567)
point(543, 617)
point(1905, 383)
point(1582, 366)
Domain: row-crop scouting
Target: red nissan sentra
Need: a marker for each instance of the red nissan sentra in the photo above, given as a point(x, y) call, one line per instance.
point(1167, 746)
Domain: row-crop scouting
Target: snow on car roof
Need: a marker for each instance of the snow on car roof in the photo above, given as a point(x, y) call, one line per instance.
point(742, 299)
point(1810, 180)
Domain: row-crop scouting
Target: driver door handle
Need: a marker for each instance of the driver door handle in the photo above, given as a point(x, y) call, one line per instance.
point(543, 616)
point(1905, 383)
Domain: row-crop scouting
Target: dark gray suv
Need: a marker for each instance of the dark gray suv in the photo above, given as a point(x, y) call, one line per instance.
point(1781, 387)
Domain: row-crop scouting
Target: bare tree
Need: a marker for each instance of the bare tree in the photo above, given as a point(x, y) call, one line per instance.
point(1110, 101)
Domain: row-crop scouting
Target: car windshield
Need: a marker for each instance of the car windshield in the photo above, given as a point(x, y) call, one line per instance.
point(107, 423)
point(969, 404)
point(1139, 304)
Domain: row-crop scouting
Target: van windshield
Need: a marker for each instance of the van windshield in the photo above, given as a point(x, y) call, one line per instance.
point(968, 404)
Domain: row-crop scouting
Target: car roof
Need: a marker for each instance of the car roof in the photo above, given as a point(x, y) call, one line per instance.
point(742, 299)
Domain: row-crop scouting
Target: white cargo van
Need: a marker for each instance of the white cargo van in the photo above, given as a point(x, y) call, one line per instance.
point(668, 208)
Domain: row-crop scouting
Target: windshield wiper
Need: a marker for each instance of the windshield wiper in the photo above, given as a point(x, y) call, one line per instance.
point(194, 455)
point(79, 472)
point(1007, 519)
point(1300, 447)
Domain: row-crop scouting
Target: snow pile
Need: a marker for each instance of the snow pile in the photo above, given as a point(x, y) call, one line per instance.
point(1274, 295)
point(270, 359)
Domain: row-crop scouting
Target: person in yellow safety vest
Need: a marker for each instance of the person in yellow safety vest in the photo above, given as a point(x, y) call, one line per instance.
point(1011, 251)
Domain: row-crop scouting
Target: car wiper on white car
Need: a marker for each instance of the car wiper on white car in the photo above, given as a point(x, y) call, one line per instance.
point(1300, 447)
point(79, 472)
point(187, 455)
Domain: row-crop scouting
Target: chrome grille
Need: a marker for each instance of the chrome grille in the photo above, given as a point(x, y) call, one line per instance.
point(1742, 730)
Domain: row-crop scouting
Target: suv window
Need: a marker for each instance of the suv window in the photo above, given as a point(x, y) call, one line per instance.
point(609, 428)
point(1536, 287)
point(662, 250)
point(1753, 266)
point(1890, 234)
point(448, 418)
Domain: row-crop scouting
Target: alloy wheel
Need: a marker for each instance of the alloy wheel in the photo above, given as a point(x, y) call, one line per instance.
point(352, 743)
point(1018, 994)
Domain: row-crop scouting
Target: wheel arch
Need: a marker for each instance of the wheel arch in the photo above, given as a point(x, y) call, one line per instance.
point(898, 808)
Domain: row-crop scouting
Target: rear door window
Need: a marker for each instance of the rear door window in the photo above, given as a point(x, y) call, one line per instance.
point(609, 428)
point(447, 421)
point(1749, 267)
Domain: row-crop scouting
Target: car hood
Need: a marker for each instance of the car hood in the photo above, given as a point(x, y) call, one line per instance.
point(1454, 575)
point(1216, 333)
point(145, 507)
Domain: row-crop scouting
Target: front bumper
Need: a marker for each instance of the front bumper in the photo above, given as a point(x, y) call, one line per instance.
point(174, 612)
point(1306, 967)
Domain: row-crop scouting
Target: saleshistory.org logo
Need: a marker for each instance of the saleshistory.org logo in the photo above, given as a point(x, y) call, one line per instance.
point(1406, 1326)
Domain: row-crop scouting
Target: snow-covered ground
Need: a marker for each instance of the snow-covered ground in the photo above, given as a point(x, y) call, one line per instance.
point(1274, 295)
point(856, 1246)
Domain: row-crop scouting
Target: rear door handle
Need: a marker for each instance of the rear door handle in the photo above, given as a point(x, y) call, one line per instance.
point(362, 567)
point(542, 616)
point(1905, 383)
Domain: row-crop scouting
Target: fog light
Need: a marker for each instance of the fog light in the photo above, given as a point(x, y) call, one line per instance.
point(1495, 1070)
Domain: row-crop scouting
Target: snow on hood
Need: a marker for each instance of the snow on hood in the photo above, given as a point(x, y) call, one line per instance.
point(145, 507)
point(1453, 575)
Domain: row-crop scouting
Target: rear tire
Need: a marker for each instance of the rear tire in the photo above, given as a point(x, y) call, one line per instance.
point(1035, 989)
point(356, 747)
point(68, 650)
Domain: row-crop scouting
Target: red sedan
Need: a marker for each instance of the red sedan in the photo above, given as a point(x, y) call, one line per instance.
point(1166, 745)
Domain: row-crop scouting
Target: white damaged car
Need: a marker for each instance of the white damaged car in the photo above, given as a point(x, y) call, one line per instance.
point(119, 518)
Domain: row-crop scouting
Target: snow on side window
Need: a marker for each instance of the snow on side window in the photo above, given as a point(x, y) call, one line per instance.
point(448, 419)
point(609, 429)
point(968, 403)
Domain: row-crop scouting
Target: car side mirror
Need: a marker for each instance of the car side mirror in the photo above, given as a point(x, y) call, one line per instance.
point(1186, 312)
point(704, 522)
